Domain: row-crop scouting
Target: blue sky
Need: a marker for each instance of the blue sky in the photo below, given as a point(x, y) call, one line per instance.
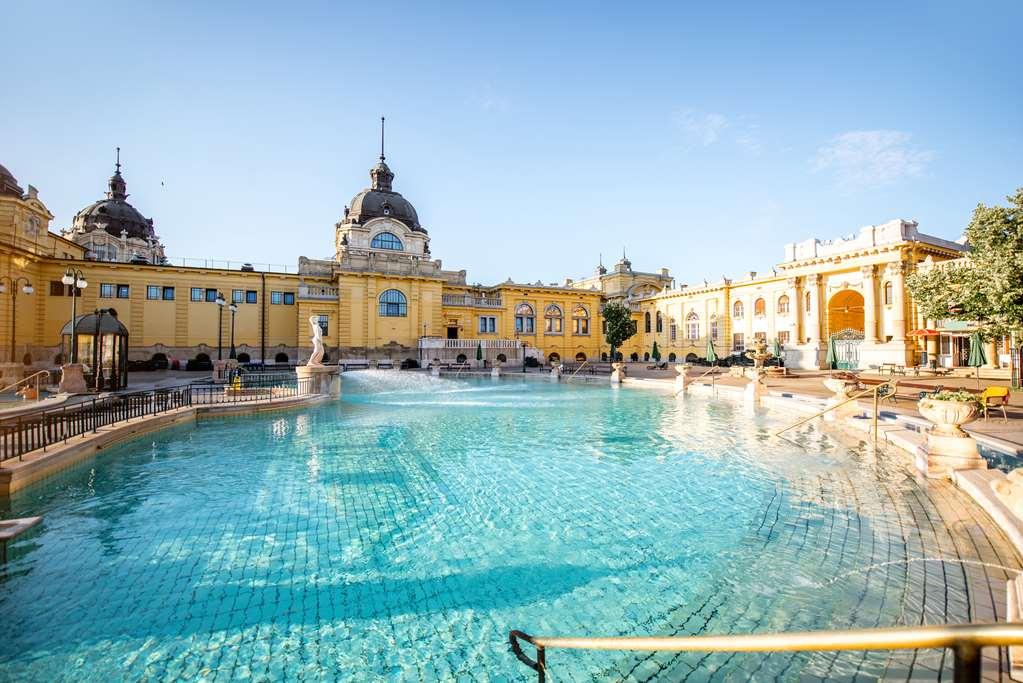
point(530, 137)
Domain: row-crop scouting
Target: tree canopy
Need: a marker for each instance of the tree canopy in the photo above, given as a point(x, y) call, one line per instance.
point(619, 325)
point(986, 285)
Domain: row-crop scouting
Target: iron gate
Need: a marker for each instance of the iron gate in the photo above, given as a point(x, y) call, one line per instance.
point(847, 349)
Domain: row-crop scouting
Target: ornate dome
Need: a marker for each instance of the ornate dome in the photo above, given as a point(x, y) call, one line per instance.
point(9, 184)
point(114, 214)
point(380, 200)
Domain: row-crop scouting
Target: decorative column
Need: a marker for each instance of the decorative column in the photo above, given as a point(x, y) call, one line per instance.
point(795, 310)
point(813, 316)
point(869, 304)
point(991, 351)
point(932, 344)
point(747, 334)
point(896, 272)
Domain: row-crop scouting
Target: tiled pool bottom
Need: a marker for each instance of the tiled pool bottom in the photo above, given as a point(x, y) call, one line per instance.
point(401, 533)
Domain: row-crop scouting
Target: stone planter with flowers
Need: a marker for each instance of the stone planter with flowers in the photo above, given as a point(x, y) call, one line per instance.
point(948, 446)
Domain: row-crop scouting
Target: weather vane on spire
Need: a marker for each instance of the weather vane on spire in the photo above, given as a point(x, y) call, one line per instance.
point(118, 165)
point(382, 157)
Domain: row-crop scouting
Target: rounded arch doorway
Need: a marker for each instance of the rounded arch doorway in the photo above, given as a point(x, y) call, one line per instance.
point(845, 329)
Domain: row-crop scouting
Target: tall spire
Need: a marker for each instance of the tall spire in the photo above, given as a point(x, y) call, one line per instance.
point(380, 174)
point(118, 188)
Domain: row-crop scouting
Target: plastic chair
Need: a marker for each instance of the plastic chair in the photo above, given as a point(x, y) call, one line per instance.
point(995, 397)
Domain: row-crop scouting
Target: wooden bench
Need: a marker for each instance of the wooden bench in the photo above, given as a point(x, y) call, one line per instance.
point(386, 364)
point(354, 363)
point(892, 369)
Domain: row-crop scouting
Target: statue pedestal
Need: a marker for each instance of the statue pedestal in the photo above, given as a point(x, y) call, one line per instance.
point(754, 390)
point(555, 373)
point(319, 379)
point(841, 391)
point(680, 379)
point(435, 369)
point(222, 369)
point(72, 379)
point(617, 372)
point(941, 455)
point(495, 372)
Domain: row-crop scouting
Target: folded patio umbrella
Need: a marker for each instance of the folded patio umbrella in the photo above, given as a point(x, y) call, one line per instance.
point(712, 356)
point(832, 358)
point(655, 353)
point(777, 348)
point(977, 356)
point(479, 350)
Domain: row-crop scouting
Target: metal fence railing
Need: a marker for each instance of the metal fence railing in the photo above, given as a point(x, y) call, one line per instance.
point(43, 428)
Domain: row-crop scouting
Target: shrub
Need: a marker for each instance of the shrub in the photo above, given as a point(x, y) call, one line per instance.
point(960, 395)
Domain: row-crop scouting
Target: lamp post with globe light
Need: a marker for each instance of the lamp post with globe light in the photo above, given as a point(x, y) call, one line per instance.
point(13, 282)
point(234, 309)
point(75, 279)
point(220, 325)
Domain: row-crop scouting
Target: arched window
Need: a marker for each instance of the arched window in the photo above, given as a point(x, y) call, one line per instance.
point(281, 358)
point(783, 305)
point(660, 323)
point(554, 357)
point(646, 322)
point(393, 304)
point(760, 308)
point(888, 293)
point(387, 240)
point(553, 319)
point(524, 319)
point(692, 326)
point(737, 310)
point(580, 357)
point(581, 319)
point(807, 299)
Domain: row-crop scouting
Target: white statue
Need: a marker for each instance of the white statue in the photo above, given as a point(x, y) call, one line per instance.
point(317, 340)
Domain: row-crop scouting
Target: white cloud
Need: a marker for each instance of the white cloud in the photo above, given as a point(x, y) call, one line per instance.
point(869, 158)
point(701, 128)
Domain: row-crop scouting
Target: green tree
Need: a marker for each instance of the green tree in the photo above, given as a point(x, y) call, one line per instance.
point(986, 285)
point(619, 325)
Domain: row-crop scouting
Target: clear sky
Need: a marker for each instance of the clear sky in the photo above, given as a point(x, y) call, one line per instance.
point(529, 137)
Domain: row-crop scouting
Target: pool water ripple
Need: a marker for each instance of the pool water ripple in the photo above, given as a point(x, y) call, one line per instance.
point(401, 532)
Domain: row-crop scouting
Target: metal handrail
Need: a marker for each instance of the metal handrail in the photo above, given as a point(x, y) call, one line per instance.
point(965, 640)
point(875, 390)
point(581, 365)
point(34, 375)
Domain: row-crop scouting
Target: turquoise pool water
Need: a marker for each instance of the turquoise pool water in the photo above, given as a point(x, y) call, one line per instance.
point(401, 532)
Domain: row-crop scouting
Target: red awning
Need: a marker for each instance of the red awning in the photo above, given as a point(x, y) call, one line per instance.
point(924, 333)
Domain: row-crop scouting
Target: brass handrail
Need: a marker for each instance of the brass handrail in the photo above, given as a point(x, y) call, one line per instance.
point(579, 368)
point(875, 390)
point(34, 375)
point(965, 640)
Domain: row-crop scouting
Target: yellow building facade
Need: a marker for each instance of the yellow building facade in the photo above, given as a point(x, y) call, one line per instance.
point(382, 297)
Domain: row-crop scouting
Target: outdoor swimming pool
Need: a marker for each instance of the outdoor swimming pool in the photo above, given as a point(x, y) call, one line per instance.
point(401, 533)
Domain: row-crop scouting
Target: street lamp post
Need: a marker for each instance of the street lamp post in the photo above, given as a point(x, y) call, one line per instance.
point(13, 282)
point(220, 325)
point(234, 309)
point(74, 278)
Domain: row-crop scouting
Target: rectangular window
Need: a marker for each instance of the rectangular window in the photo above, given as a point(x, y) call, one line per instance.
point(672, 331)
point(582, 325)
point(738, 344)
point(57, 288)
point(276, 298)
point(196, 294)
point(168, 294)
point(761, 336)
point(783, 337)
point(122, 291)
point(289, 298)
point(323, 324)
point(152, 292)
point(714, 330)
point(211, 295)
point(107, 291)
point(488, 324)
point(237, 296)
point(250, 296)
